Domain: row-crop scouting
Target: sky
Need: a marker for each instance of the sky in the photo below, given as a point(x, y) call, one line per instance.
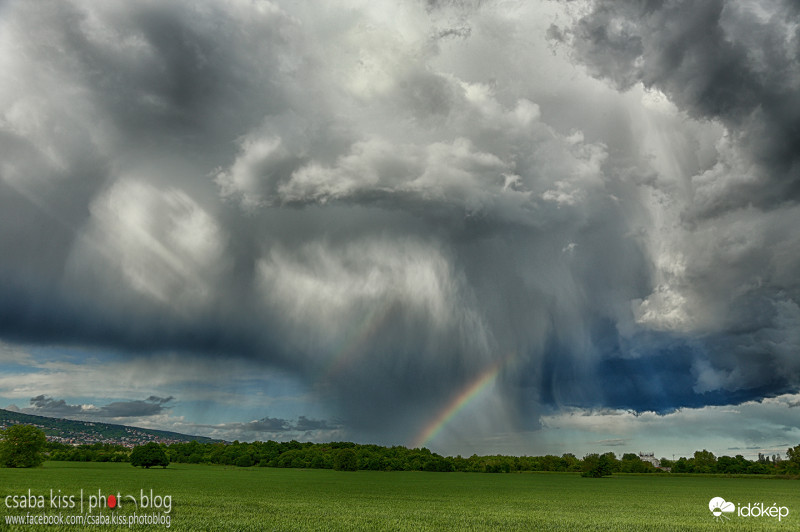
point(477, 226)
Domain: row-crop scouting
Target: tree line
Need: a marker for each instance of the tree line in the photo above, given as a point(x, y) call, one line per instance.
point(26, 446)
point(350, 456)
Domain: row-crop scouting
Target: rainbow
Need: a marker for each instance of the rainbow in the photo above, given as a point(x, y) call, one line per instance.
point(472, 390)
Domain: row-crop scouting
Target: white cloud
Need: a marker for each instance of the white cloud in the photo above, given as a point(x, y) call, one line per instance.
point(159, 243)
point(768, 427)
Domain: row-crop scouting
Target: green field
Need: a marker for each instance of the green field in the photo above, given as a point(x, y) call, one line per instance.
point(228, 498)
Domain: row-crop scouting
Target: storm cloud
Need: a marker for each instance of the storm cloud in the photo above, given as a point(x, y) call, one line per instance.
point(731, 258)
point(735, 62)
point(390, 200)
point(47, 406)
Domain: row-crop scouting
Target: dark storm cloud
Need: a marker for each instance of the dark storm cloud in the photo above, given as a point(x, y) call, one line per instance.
point(96, 95)
point(376, 199)
point(736, 62)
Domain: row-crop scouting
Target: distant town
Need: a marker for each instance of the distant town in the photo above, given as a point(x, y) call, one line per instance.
point(72, 432)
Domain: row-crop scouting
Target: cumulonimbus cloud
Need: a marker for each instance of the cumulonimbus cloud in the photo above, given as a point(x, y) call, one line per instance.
point(392, 199)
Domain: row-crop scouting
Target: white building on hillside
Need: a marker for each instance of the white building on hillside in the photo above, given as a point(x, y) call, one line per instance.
point(650, 457)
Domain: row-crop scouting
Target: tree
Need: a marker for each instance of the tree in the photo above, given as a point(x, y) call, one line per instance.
point(22, 446)
point(682, 465)
point(148, 455)
point(631, 463)
point(569, 462)
point(596, 466)
point(244, 461)
point(345, 460)
point(704, 462)
point(793, 456)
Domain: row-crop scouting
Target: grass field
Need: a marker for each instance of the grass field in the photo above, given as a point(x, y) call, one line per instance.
point(229, 498)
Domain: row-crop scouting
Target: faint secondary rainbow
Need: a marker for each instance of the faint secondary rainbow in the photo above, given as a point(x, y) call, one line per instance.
point(354, 343)
point(462, 399)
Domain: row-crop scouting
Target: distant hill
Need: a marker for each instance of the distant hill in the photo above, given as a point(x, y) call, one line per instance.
point(85, 432)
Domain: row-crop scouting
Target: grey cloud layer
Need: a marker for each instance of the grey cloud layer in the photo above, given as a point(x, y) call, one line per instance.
point(271, 428)
point(156, 410)
point(390, 199)
point(47, 406)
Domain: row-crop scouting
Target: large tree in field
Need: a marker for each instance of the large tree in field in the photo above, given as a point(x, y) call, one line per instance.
point(149, 455)
point(21, 446)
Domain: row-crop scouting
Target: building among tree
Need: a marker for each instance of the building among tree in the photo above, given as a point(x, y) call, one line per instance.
point(649, 457)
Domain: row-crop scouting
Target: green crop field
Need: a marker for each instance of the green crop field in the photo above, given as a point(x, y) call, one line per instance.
point(227, 498)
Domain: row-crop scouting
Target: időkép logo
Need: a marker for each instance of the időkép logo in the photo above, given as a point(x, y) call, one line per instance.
point(720, 508)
